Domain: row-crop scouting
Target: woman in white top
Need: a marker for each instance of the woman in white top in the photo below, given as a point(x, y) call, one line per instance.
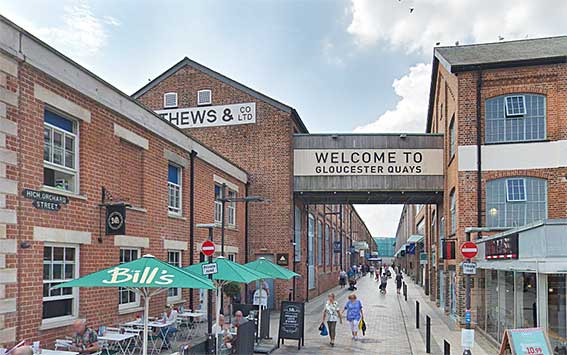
point(170, 318)
point(332, 313)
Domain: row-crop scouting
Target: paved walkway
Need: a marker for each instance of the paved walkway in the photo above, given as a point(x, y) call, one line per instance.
point(390, 321)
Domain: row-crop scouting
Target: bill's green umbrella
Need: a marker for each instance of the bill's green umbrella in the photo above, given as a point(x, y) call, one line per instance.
point(227, 271)
point(146, 276)
point(274, 271)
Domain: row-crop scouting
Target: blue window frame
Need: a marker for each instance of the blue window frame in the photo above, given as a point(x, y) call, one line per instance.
point(174, 189)
point(515, 118)
point(516, 190)
point(503, 212)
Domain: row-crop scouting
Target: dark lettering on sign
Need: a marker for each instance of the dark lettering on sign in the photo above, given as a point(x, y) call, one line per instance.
point(502, 248)
point(292, 319)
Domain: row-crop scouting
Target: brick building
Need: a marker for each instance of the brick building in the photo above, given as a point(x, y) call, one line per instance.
point(67, 134)
point(502, 109)
point(256, 132)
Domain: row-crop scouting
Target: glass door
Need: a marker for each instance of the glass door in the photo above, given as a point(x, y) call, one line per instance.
point(311, 245)
point(557, 312)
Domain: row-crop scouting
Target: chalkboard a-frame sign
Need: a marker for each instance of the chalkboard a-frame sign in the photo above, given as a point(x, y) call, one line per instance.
point(292, 321)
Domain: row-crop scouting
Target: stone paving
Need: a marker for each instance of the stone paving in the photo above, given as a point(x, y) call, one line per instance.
point(390, 321)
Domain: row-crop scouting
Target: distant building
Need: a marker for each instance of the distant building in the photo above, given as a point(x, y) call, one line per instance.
point(386, 246)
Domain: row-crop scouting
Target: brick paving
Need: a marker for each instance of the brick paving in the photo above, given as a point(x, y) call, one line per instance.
point(390, 321)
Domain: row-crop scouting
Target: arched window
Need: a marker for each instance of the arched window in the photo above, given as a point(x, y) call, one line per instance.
point(515, 201)
point(515, 118)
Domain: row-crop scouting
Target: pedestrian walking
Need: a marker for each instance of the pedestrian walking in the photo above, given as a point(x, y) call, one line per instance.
point(332, 314)
point(342, 278)
point(354, 314)
point(399, 279)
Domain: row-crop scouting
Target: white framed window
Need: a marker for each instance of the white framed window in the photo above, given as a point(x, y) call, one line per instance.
point(297, 233)
point(515, 190)
point(174, 258)
point(60, 264)
point(453, 212)
point(174, 189)
point(515, 105)
point(127, 298)
point(204, 97)
point(218, 204)
point(231, 209)
point(170, 100)
point(60, 152)
point(231, 257)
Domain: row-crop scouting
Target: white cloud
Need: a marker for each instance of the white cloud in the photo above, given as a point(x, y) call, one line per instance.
point(381, 220)
point(410, 112)
point(81, 33)
point(390, 22)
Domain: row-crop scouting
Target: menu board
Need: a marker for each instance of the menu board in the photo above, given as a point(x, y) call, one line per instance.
point(292, 319)
point(525, 341)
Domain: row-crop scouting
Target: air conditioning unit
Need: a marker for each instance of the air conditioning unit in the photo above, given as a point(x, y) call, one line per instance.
point(204, 97)
point(170, 100)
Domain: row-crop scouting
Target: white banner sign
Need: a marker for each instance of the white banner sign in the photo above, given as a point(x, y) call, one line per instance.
point(329, 162)
point(469, 268)
point(211, 116)
point(209, 269)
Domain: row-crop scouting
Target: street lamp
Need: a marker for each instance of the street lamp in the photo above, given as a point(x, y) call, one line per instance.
point(210, 227)
point(223, 199)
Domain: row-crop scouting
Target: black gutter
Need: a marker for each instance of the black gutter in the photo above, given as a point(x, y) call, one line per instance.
point(509, 64)
point(246, 187)
point(478, 150)
point(307, 251)
point(192, 156)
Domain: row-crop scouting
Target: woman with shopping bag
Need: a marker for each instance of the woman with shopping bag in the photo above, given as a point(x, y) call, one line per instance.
point(332, 313)
point(354, 314)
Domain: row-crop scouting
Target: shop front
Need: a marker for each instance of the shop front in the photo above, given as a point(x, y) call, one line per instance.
point(523, 281)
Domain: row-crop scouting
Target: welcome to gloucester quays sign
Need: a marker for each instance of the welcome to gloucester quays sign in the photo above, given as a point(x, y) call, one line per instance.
point(210, 116)
point(333, 162)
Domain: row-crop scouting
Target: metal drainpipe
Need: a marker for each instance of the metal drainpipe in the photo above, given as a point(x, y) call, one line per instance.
point(478, 151)
point(307, 252)
point(192, 157)
point(246, 230)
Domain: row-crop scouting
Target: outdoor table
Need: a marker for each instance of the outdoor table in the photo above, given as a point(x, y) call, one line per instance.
point(153, 324)
point(58, 352)
point(191, 327)
point(122, 340)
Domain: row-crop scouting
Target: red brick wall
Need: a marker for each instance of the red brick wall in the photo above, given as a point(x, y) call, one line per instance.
point(129, 173)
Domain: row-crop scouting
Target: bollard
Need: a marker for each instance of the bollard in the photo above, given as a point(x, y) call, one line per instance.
point(405, 291)
point(417, 314)
point(428, 334)
point(446, 347)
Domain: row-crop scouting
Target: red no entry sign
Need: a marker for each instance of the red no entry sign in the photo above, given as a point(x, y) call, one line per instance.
point(208, 248)
point(469, 250)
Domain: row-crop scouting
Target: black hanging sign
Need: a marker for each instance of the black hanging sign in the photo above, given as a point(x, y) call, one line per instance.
point(116, 219)
point(44, 200)
point(337, 247)
point(282, 259)
point(448, 251)
point(292, 320)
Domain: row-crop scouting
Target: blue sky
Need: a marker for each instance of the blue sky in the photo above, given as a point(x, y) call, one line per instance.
point(345, 65)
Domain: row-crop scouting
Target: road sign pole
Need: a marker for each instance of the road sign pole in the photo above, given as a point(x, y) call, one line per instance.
point(212, 340)
point(468, 296)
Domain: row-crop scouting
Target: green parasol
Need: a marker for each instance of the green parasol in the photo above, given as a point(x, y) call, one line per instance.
point(274, 271)
point(147, 276)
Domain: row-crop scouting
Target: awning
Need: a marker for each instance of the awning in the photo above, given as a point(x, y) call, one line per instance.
point(542, 266)
point(402, 248)
point(416, 238)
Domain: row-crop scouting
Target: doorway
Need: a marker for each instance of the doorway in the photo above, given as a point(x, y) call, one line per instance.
point(269, 282)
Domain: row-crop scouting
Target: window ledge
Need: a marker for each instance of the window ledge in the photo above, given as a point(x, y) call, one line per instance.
point(46, 325)
point(137, 209)
point(130, 310)
point(176, 216)
point(176, 301)
point(63, 192)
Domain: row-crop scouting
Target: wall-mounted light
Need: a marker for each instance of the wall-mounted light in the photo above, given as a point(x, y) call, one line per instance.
point(25, 245)
point(493, 211)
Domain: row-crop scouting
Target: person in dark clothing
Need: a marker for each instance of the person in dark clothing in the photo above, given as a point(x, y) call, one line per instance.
point(399, 279)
